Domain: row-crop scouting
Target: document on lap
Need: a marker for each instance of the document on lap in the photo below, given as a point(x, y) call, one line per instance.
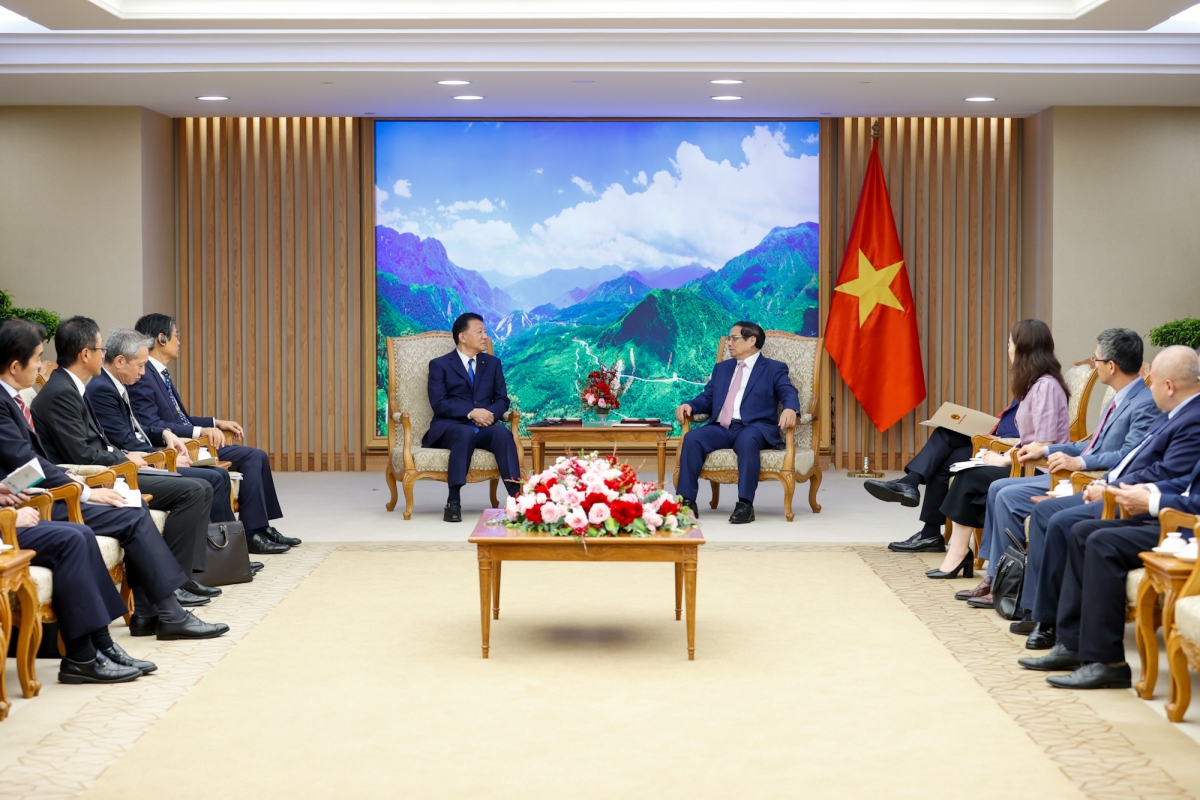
point(24, 476)
point(961, 419)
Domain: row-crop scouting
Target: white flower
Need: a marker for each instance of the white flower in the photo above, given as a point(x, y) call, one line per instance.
point(558, 493)
point(598, 514)
point(551, 513)
point(671, 522)
point(540, 497)
point(629, 497)
point(511, 509)
point(526, 502)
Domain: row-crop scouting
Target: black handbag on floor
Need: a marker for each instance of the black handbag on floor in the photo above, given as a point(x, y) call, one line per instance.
point(1010, 576)
point(228, 558)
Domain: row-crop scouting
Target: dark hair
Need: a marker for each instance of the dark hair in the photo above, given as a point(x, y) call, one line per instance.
point(1123, 347)
point(19, 340)
point(462, 323)
point(155, 325)
point(750, 329)
point(1034, 356)
point(73, 337)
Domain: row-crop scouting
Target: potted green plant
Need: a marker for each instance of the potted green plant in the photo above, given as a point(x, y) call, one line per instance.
point(1181, 331)
point(48, 319)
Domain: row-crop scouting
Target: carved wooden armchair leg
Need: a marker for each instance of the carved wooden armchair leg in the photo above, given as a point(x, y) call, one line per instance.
point(977, 539)
point(29, 640)
point(789, 488)
point(494, 484)
point(410, 478)
point(126, 592)
point(391, 482)
point(814, 483)
point(716, 494)
point(1180, 696)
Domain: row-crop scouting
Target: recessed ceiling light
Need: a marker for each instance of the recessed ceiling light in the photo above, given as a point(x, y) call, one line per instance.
point(326, 83)
point(864, 82)
point(212, 97)
point(454, 83)
point(582, 82)
point(368, 113)
point(726, 97)
point(726, 81)
point(468, 97)
point(826, 113)
point(981, 99)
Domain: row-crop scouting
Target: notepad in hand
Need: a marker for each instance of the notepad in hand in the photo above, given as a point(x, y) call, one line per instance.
point(961, 419)
point(24, 476)
point(204, 458)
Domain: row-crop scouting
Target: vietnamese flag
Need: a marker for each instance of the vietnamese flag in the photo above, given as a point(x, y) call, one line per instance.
point(872, 328)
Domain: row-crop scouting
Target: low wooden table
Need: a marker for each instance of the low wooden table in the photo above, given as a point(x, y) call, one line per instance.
point(577, 435)
point(14, 577)
point(1165, 576)
point(496, 544)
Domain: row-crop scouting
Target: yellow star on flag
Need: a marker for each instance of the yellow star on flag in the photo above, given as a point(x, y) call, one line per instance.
point(872, 287)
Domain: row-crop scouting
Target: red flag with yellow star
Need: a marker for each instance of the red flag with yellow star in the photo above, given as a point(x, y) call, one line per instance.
point(872, 328)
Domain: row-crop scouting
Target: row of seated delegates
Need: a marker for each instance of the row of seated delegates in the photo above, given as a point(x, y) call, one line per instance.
point(85, 600)
point(158, 405)
point(69, 434)
point(1081, 580)
point(1038, 412)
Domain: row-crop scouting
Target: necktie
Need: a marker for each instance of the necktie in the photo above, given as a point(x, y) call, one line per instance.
point(184, 418)
point(137, 428)
point(25, 410)
point(1099, 428)
point(726, 418)
point(471, 371)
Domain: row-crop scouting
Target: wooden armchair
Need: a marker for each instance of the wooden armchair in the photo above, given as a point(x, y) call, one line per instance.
point(997, 445)
point(193, 447)
point(411, 415)
point(1183, 638)
point(1080, 379)
point(799, 461)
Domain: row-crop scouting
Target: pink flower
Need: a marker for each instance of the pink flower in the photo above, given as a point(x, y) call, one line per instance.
point(525, 502)
point(576, 519)
point(558, 493)
point(602, 403)
point(670, 522)
point(651, 517)
point(598, 514)
point(511, 509)
point(551, 513)
point(572, 497)
point(629, 497)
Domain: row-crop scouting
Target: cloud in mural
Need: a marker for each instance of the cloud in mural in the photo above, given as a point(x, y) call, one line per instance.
point(402, 188)
point(478, 244)
point(585, 186)
point(484, 206)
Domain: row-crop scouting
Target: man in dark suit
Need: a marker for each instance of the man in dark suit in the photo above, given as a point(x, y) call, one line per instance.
point(1096, 554)
point(469, 398)
point(70, 435)
point(745, 394)
point(152, 570)
point(158, 404)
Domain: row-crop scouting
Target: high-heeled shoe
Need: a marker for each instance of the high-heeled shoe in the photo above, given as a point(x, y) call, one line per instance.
point(966, 567)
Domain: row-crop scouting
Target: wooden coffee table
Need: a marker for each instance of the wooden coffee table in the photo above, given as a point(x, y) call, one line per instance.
point(1165, 576)
point(577, 436)
point(496, 544)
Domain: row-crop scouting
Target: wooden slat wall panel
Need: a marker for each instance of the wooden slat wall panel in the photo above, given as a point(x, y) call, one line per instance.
point(270, 276)
point(954, 186)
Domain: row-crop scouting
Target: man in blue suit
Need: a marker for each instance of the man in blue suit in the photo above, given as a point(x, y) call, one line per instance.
point(469, 398)
point(744, 394)
point(1168, 452)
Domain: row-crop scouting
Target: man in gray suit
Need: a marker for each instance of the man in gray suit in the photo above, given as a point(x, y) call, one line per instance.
point(1123, 423)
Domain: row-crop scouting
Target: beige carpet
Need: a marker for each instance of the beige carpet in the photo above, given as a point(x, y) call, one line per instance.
point(811, 680)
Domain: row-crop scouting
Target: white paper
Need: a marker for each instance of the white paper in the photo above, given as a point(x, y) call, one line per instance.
point(959, 466)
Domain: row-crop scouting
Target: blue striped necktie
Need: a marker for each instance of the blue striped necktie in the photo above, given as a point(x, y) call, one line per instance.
point(184, 418)
point(471, 371)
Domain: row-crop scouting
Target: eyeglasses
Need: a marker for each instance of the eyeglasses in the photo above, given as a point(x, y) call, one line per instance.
point(97, 349)
point(737, 338)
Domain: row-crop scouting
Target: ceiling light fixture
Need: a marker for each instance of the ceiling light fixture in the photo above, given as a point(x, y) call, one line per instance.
point(468, 97)
point(726, 81)
point(583, 82)
point(981, 99)
point(454, 83)
point(212, 97)
point(726, 97)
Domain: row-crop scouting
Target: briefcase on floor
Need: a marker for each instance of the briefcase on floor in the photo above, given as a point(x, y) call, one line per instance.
point(228, 558)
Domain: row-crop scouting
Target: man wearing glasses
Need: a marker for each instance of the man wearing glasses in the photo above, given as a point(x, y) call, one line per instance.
point(743, 398)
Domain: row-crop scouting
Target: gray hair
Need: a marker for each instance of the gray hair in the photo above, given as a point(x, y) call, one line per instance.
point(125, 342)
point(1123, 347)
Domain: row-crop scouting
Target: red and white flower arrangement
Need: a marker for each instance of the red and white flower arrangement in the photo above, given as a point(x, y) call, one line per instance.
point(603, 389)
point(594, 496)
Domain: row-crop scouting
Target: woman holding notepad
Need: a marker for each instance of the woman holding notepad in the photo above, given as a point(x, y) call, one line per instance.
point(1041, 416)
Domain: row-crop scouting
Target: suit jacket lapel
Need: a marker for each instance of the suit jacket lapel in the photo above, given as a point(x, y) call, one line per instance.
point(760, 367)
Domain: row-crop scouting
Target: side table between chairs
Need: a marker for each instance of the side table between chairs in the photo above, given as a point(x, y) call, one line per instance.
point(15, 581)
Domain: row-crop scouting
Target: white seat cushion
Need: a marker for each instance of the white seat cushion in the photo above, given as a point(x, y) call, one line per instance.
point(772, 460)
point(160, 519)
point(110, 550)
point(1187, 618)
point(1132, 581)
point(433, 459)
point(43, 581)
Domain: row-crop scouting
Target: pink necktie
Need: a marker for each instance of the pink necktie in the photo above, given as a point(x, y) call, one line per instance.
point(24, 410)
point(727, 409)
point(1100, 427)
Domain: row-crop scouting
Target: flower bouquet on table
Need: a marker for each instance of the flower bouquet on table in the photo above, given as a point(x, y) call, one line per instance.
point(594, 496)
point(603, 389)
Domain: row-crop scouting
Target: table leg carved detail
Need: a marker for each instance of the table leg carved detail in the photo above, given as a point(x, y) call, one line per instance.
point(662, 460)
point(495, 589)
point(1147, 644)
point(485, 596)
point(31, 638)
point(5, 636)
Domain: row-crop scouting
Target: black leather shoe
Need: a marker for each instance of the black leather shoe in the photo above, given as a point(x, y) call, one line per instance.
point(742, 513)
point(691, 506)
point(920, 543)
point(452, 512)
point(1023, 626)
point(260, 545)
point(190, 628)
point(189, 600)
point(118, 656)
point(1042, 637)
point(276, 536)
point(200, 590)
point(98, 670)
point(894, 492)
point(255, 567)
point(1058, 658)
point(142, 626)
point(1096, 675)
point(966, 567)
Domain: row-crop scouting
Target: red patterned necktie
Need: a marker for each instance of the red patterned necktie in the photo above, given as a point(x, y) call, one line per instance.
point(25, 410)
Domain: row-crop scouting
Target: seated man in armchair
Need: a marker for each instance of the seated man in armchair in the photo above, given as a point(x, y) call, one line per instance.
point(469, 396)
point(744, 394)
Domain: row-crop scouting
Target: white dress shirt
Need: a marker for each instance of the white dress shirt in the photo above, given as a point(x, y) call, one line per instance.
point(464, 358)
point(749, 363)
point(161, 367)
point(86, 490)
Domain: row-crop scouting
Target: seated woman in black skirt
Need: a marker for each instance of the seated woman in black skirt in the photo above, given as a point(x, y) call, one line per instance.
point(1042, 416)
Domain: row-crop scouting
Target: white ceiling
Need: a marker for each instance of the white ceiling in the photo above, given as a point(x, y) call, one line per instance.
point(637, 69)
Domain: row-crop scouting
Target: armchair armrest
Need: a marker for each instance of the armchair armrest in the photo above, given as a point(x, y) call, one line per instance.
point(1111, 510)
point(158, 459)
point(513, 416)
point(43, 502)
point(68, 493)
point(8, 527)
point(101, 480)
point(406, 423)
point(789, 455)
point(1081, 479)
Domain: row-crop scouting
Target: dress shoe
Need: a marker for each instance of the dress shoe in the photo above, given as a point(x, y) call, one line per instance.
point(1023, 626)
point(966, 567)
point(691, 506)
point(200, 590)
point(98, 670)
point(983, 601)
point(189, 600)
point(142, 626)
point(743, 512)
point(276, 536)
point(1042, 637)
point(1096, 675)
point(984, 587)
point(894, 492)
point(118, 656)
point(260, 545)
point(255, 566)
point(1058, 658)
point(452, 512)
point(920, 543)
point(190, 628)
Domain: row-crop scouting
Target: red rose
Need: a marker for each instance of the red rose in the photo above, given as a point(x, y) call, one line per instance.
point(625, 511)
point(602, 387)
point(534, 514)
point(592, 499)
point(668, 507)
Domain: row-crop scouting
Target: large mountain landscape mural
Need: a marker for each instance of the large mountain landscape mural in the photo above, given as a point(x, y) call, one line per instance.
point(671, 233)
